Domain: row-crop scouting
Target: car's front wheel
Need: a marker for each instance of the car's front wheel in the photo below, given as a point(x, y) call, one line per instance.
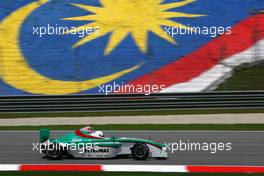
point(140, 151)
point(54, 152)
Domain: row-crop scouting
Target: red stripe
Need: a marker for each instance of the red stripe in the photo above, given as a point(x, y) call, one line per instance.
point(244, 35)
point(81, 134)
point(60, 167)
point(225, 169)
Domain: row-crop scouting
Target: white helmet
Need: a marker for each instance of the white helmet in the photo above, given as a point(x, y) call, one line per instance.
point(99, 134)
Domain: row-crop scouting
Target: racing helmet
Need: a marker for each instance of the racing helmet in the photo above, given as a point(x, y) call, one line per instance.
point(87, 128)
point(99, 134)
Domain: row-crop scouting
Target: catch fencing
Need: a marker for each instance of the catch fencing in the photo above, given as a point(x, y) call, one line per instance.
point(131, 102)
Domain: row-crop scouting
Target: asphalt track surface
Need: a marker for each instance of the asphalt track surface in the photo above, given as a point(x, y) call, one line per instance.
point(247, 149)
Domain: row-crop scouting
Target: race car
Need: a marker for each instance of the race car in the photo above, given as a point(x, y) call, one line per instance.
point(86, 143)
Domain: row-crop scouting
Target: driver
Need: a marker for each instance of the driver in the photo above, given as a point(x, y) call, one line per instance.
point(88, 129)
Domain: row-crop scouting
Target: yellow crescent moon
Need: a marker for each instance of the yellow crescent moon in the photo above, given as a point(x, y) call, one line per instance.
point(17, 72)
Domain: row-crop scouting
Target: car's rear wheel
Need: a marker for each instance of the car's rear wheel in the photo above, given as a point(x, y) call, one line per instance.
point(54, 152)
point(140, 151)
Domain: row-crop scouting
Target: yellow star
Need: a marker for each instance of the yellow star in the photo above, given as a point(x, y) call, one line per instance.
point(135, 17)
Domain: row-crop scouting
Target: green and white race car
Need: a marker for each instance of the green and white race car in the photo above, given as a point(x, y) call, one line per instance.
point(86, 143)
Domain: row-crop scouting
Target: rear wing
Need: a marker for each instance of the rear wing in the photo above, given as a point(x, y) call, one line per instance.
point(44, 135)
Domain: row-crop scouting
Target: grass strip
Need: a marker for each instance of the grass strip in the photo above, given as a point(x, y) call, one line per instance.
point(246, 77)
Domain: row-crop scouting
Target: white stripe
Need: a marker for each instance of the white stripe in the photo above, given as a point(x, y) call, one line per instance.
point(210, 79)
point(9, 167)
point(143, 168)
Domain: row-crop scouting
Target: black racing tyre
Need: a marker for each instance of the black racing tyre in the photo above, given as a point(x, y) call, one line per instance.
point(140, 151)
point(54, 152)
